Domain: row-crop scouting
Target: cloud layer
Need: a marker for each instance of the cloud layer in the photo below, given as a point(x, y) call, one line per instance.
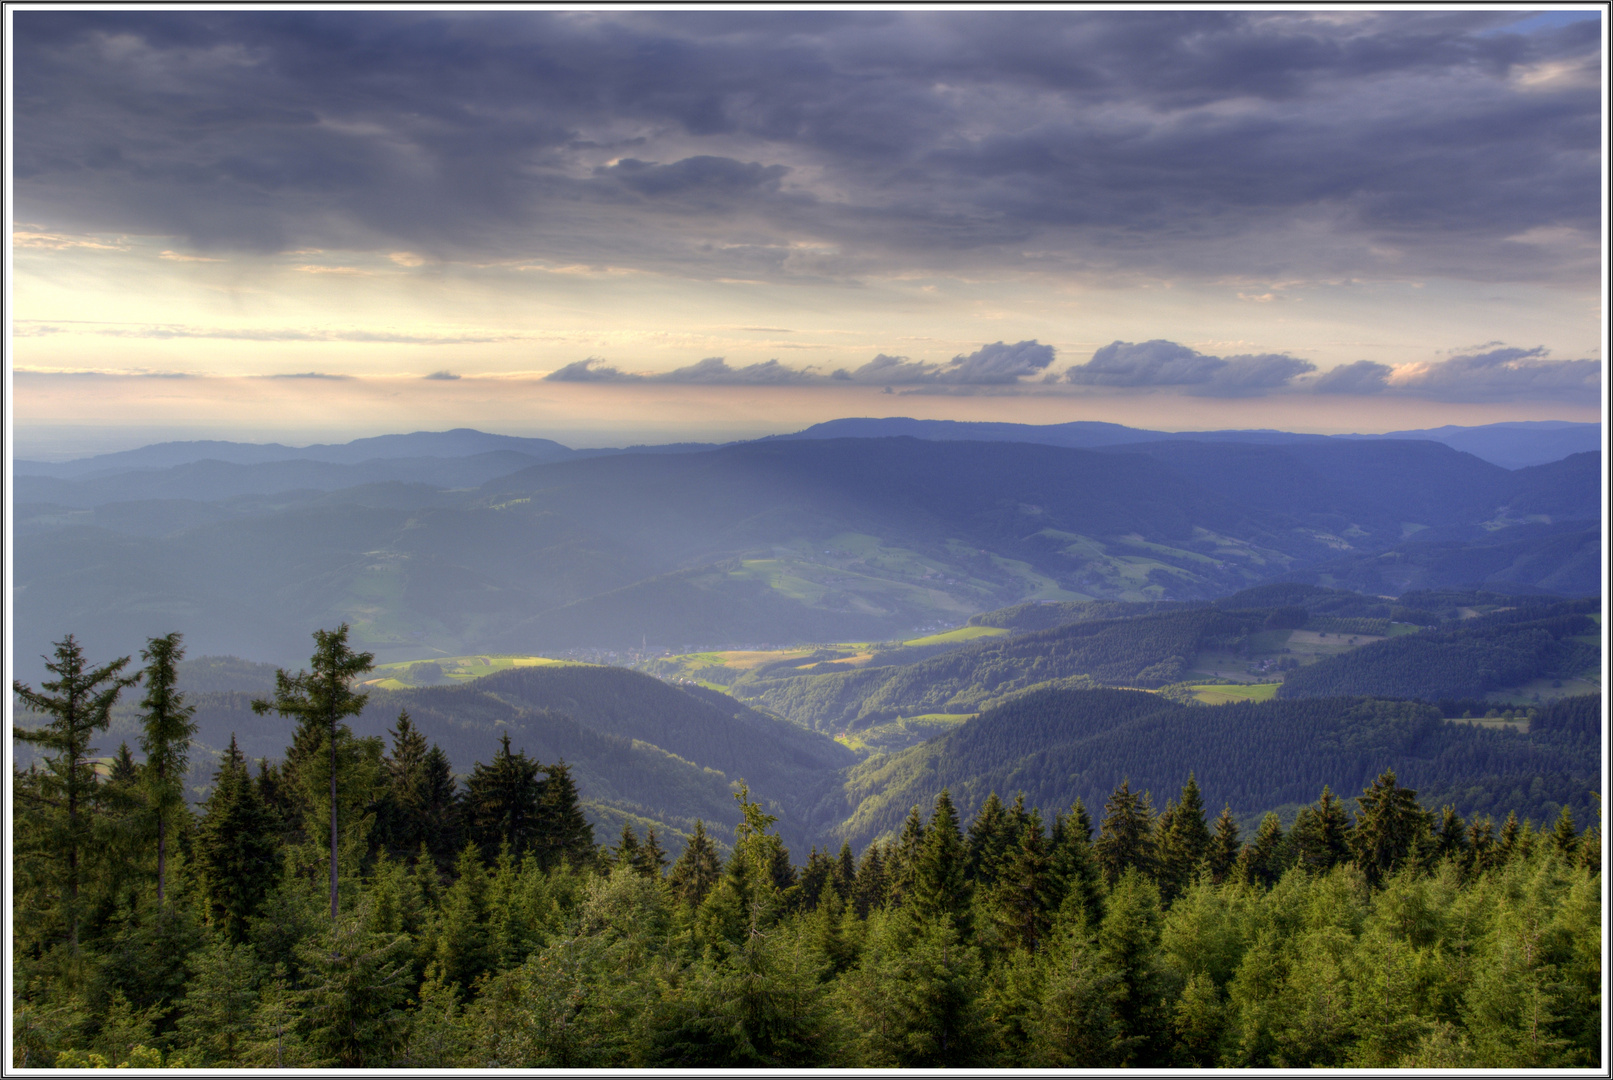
point(779, 145)
point(1500, 374)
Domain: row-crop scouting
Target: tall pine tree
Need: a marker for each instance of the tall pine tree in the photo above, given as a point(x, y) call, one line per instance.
point(167, 729)
point(320, 700)
point(78, 703)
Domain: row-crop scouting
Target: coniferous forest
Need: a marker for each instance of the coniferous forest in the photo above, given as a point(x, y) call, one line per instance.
point(355, 905)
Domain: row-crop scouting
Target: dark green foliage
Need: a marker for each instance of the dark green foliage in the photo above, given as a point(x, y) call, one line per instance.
point(167, 728)
point(1390, 828)
point(501, 802)
point(1060, 744)
point(564, 835)
point(357, 984)
point(990, 836)
point(236, 849)
point(1267, 856)
point(59, 799)
point(871, 888)
point(1182, 841)
point(1321, 836)
point(421, 805)
point(1222, 854)
point(696, 870)
point(320, 700)
point(1377, 942)
point(1126, 837)
point(939, 889)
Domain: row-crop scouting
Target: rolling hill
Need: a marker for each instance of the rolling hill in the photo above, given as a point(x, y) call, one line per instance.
point(769, 542)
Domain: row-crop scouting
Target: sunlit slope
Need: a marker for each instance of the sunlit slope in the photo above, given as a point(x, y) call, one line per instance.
point(1148, 650)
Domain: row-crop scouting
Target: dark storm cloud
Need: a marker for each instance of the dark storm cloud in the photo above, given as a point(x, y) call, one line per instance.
point(1420, 140)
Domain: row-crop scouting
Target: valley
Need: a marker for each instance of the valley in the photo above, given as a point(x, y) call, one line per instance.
point(806, 643)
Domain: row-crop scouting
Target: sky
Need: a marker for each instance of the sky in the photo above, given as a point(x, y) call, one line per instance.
point(619, 226)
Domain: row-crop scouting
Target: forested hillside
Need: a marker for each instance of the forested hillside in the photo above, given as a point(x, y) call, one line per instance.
point(1464, 659)
point(480, 925)
point(1057, 745)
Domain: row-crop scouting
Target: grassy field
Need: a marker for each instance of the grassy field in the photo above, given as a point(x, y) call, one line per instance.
point(398, 676)
point(1223, 695)
point(962, 633)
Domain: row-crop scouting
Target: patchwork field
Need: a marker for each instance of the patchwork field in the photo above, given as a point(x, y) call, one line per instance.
point(1223, 695)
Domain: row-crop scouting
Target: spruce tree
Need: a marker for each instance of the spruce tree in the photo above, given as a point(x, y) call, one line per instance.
point(991, 837)
point(1509, 845)
point(1263, 861)
point(902, 858)
point(1126, 837)
point(1023, 896)
point(1564, 837)
point(1321, 834)
point(1077, 882)
point(871, 889)
point(357, 981)
point(1451, 843)
point(1184, 839)
point(502, 801)
point(1390, 827)
point(320, 700)
point(420, 802)
point(939, 887)
point(1482, 843)
point(1222, 857)
point(626, 852)
point(167, 729)
point(563, 833)
point(651, 859)
point(78, 703)
point(817, 879)
point(696, 870)
point(237, 851)
point(220, 1001)
point(845, 873)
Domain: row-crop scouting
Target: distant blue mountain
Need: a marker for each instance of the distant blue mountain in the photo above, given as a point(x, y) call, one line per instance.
point(1512, 445)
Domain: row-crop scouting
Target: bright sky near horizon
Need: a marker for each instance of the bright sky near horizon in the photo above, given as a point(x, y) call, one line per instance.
point(610, 226)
